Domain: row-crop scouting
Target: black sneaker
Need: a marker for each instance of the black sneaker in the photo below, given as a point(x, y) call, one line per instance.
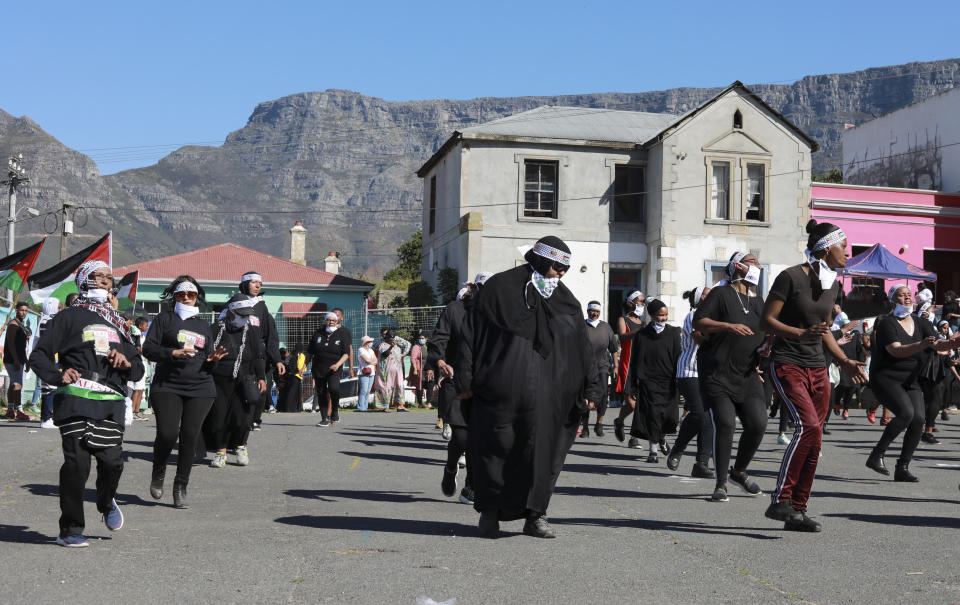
point(538, 528)
point(783, 511)
point(634, 443)
point(805, 523)
point(466, 495)
point(673, 460)
point(598, 429)
point(449, 484)
point(944, 416)
point(663, 447)
point(652, 458)
point(255, 426)
point(720, 495)
point(584, 432)
point(618, 431)
point(324, 423)
point(701, 471)
point(826, 431)
point(746, 483)
point(929, 438)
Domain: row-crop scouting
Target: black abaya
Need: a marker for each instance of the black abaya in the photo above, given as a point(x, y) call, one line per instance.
point(653, 365)
point(529, 370)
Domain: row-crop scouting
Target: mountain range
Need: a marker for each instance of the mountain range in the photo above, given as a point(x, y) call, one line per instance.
point(344, 164)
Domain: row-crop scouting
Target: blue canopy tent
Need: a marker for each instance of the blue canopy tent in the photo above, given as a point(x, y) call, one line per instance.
point(878, 262)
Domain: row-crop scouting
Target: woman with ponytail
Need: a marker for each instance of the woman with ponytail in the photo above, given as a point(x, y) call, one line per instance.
point(798, 312)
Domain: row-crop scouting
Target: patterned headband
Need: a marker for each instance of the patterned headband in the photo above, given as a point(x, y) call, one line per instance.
point(737, 257)
point(635, 295)
point(593, 307)
point(831, 239)
point(242, 304)
point(185, 286)
point(84, 271)
point(549, 252)
point(251, 277)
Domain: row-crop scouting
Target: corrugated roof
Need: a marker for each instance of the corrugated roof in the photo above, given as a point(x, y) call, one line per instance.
point(578, 123)
point(227, 262)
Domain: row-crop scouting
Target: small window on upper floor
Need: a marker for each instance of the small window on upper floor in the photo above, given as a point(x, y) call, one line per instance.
point(756, 192)
point(737, 119)
point(540, 189)
point(628, 194)
point(433, 203)
point(720, 190)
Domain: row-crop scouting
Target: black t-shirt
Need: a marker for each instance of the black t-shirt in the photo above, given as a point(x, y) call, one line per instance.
point(889, 330)
point(604, 343)
point(805, 303)
point(327, 349)
point(951, 307)
point(191, 377)
point(724, 358)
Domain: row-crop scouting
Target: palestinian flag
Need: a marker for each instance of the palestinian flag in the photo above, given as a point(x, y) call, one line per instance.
point(15, 269)
point(127, 295)
point(58, 281)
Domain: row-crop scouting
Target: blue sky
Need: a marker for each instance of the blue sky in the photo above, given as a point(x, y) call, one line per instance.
point(126, 82)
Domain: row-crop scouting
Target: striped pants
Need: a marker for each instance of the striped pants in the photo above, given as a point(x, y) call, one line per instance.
point(805, 393)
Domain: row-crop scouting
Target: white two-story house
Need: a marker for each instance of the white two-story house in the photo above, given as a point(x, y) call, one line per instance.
point(648, 201)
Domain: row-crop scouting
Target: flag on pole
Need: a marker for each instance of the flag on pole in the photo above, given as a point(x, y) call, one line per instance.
point(15, 268)
point(127, 295)
point(58, 281)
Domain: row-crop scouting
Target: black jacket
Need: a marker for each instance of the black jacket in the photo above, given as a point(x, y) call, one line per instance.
point(191, 377)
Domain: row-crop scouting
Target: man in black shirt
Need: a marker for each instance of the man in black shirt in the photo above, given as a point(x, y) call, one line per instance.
point(951, 310)
point(14, 359)
point(251, 284)
point(88, 354)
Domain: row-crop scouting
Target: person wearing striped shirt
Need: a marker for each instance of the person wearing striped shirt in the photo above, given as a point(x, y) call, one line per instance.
point(696, 422)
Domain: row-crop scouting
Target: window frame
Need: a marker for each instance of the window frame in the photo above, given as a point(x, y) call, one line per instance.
point(521, 160)
point(709, 162)
point(432, 218)
point(745, 163)
point(642, 168)
point(540, 212)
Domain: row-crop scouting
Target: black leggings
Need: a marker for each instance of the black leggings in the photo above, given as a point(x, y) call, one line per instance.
point(230, 416)
point(932, 400)
point(177, 417)
point(724, 412)
point(328, 384)
point(908, 410)
point(456, 447)
point(696, 422)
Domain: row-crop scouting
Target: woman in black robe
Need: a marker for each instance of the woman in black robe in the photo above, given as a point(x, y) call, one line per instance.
point(653, 370)
point(526, 361)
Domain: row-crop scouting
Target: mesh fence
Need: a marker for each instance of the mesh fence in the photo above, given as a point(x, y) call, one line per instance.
point(297, 328)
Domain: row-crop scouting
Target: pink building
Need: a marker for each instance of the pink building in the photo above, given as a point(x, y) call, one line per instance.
point(922, 227)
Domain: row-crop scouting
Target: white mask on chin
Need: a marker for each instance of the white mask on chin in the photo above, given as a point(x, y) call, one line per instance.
point(594, 322)
point(186, 311)
point(901, 311)
point(658, 326)
point(827, 276)
point(753, 275)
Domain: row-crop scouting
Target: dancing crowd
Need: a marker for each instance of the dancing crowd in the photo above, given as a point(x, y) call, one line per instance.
point(515, 370)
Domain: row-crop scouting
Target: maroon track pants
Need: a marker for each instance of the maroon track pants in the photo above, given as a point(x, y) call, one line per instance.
point(805, 393)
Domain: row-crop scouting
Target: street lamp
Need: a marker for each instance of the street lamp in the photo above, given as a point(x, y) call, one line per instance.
point(16, 176)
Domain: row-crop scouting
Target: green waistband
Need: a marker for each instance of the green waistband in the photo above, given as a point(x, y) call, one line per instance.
point(69, 389)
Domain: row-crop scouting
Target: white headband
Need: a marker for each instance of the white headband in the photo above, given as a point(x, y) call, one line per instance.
point(831, 239)
point(893, 291)
point(737, 257)
point(549, 252)
point(698, 294)
point(635, 295)
point(331, 316)
point(242, 304)
point(185, 286)
point(593, 307)
point(251, 277)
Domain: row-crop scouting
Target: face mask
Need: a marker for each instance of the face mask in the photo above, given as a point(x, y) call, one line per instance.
point(658, 326)
point(544, 285)
point(422, 341)
point(330, 329)
point(594, 322)
point(901, 311)
point(753, 275)
point(237, 322)
point(96, 294)
point(828, 276)
point(638, 310)
point(185, 311)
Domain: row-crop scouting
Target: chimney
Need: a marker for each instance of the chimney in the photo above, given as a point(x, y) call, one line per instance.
point(298, 243)
point(331, 264)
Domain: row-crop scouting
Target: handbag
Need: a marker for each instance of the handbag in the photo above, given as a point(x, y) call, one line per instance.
point(251, 390)
point(366, 370)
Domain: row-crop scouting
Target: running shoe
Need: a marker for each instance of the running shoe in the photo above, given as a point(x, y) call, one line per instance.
point(783, 511)
point(449, 483)
point(148, 411)
point(21, 416)
point(113, 519)
point(804, 523)
point(782, 439)
point(929, 438)
point(872, 416)
point(746, 483)
point(402, 408)
point(701, 471)
point(618, 431)
point(720, 495)
point(255, 426)
point(845, 415)
point(219, 460)
point(635, 444)
point(324, 423)
point(48, 424)
point(466, 495)
point(446, 433)
point(272, 410)
point(243, 457)
point(462, 461)
point(74, 541)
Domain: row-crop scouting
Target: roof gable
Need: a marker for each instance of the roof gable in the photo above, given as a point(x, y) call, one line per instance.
point(736, 141)
point(227, 262)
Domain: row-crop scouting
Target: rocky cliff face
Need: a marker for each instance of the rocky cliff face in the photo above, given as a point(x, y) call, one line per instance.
point(344, 164)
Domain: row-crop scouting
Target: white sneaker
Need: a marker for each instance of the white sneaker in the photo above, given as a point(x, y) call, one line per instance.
point(243, 458)
point(48, 424)
point(462, 462)
point(219, 460)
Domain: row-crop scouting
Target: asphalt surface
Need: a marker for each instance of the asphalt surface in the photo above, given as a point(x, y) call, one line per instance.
point(353, 514)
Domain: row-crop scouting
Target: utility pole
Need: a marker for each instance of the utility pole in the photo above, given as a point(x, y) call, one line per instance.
point(16, 176)
point(67, 229)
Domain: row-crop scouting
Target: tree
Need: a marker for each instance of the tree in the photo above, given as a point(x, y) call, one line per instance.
point(408, 261)
point(448, 284)
point(832, 176)
point(420, 294)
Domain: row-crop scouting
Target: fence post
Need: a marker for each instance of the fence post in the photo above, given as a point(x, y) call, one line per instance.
point(366, 312)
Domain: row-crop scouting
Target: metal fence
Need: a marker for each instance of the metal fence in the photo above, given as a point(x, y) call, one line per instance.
point(297, 328)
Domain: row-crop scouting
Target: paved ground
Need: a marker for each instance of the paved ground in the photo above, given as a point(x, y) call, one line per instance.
point(354, 514)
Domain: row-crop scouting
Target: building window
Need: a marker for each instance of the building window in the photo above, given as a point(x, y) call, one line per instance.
point(720, 190)
point(433, 204)
point(540, 189)
point(756, 192)
point(628, 194)
point(737, 119)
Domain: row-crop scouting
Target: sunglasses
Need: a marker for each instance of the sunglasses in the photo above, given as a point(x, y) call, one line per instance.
point(560, 267)
point(185, 295)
